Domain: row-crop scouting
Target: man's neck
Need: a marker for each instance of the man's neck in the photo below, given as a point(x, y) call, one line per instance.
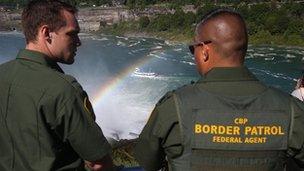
point(36, 47)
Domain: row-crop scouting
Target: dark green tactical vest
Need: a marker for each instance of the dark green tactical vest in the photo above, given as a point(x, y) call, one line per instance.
point(232, 132)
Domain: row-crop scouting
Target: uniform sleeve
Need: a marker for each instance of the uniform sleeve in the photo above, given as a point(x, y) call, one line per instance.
point(159, 136)
point(68, 111)
point(81, 130)
point(296, 145)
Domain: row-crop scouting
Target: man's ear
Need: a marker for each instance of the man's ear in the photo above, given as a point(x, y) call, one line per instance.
point(45, 33)
point(205, 53)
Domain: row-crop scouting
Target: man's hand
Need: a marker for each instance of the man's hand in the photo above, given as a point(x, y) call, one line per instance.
point(105, 164)
point(93, 166)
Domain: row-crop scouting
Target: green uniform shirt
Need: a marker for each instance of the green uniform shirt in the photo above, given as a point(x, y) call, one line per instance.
point(161, 137)
point(47, 122)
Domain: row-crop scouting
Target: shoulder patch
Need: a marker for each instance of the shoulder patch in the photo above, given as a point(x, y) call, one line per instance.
point(88, 107)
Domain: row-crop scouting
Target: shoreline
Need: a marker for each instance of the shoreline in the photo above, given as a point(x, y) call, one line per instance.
point(187, 41)
point(266, 23)
point(154, 36)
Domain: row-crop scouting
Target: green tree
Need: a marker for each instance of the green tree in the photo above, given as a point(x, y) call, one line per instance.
point(144, 22)
point(295, 9)
point(204, 10)
point(132, 4)
point(243, 10)
point(257, 13)
point(161, 22)
point(296, 26)
point(277, 22)
point(190, 19)
point(177, 19)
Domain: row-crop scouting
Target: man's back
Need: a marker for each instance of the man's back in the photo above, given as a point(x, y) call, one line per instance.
point(231, 121)
point(227, 121)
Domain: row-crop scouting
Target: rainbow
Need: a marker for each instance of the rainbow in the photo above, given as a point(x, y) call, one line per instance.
point(113, 83)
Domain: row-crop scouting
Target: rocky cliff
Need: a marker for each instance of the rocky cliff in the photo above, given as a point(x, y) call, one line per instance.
point(92, 19)
point(89, 19)
point(10, 20)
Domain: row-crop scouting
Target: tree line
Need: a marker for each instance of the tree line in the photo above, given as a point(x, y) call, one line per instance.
point(21, 3)
point(136, 3)
point(284, 21)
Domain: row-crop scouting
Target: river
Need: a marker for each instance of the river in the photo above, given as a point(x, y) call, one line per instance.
point(125, 77)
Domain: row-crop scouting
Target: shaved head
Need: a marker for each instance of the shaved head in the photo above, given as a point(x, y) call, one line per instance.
point(227, 31)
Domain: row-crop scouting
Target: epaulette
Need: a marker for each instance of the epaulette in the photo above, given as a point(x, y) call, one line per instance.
point(170, 93)
point(187, 85)
point(165, 97)
point(73, 82)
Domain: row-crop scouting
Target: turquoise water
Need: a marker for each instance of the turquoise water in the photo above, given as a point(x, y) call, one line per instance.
point(125, 77)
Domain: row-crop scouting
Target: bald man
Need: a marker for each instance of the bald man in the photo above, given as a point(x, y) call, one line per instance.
point(228, 120)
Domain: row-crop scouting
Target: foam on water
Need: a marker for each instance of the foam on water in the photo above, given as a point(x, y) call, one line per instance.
point(168, 43)
point(178, 49)
point(185, 62)
point(138, 50)
point(249, 56)
point(158, 56)
point(14, 33)
point(101, 39)
point(120, 43)
point(120, 37)
point(259, 54)
point(135, 72)
point(272, 54)
point(134, 44)
point(290, 56)
point(157, 48)
point(250, 50)
point(269, 59)
point(275, 75)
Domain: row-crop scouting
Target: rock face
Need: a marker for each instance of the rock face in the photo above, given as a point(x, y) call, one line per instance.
point(90, 19)
point(93, 18)
point(10, 20)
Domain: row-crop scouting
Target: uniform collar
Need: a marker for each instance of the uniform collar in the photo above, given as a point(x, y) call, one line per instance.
point(229, 74)
point(38, 57)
